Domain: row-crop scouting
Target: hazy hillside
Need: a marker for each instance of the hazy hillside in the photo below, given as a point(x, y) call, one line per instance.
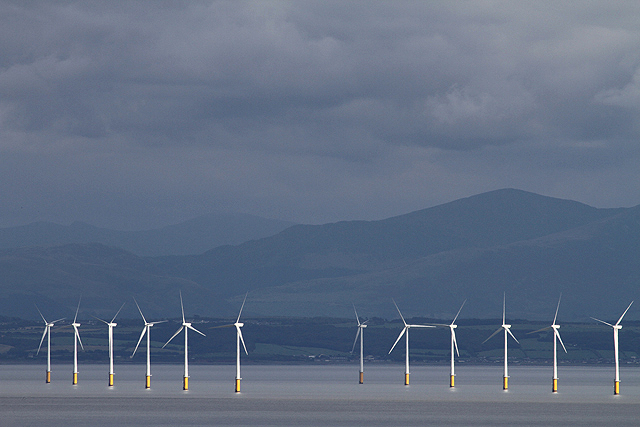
point(190, 237)
point(529, 246)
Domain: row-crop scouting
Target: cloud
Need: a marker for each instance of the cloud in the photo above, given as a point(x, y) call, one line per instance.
point(312, 110)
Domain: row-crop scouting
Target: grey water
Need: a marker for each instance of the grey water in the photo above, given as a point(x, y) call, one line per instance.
point(317, 395)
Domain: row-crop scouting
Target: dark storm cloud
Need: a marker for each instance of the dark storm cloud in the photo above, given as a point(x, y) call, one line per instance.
point(311, 111)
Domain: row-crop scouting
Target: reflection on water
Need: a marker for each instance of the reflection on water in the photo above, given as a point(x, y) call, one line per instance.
point(317, 395)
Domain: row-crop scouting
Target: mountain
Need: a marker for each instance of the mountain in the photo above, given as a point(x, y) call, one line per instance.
point(190, 237)
point(532, 247)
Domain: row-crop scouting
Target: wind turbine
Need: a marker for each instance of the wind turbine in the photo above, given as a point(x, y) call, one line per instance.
point(616, 328)
point(556, 338)
point(360, 332)
point(239, 339)
point(111, 325)
point(47, 332)
point(454, 345)
point(405, 330)
point(76, 339)
point(186, 326)
point(507, 330)
point(146, 329)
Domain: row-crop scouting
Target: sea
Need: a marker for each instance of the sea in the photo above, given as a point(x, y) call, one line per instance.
point(318, 395)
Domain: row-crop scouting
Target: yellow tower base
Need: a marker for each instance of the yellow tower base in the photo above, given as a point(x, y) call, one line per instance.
point(452, 381)
point(148, 382)
point(505, 383)
point(110, 380)
point(361, 377)
point(48, 377)
point(237, 385)
point(406, 379)
point(185, 383)
point(616, 387)
point(75, 378)
point(555, 385)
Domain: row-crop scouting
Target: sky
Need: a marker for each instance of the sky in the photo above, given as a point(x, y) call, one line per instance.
point(134, 115)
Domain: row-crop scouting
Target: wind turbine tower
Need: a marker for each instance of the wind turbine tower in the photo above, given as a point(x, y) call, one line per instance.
point(47, 332)
point(616, 328)
point(146, 330)
point(360, 332)
point(186, 326)
point(239, 339)
point(507, 331)
point(76, 339)
point(405, 331)
point(111, 325)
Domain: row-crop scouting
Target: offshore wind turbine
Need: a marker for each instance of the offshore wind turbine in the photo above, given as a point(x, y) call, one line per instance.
point(405, 331)
point(185, 326)
point(556, 338)
point(47, 332)
point(454, 345)
point(360, 332)
point(507, 330)
point(111, 325)
point(616, 328)
point(239, 339)
point(146, 330)
point(76, 339)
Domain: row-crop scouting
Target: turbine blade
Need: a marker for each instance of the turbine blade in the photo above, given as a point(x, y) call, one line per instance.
point(357, 318)
point(230, 325)
point(504, 306)
point(182, 308)
point(45, 320)
point(602, 321)
point(394, 303)
point(103, 321)
point(173, 336)
point(118, 312)
point(557, 334)
point(399, 336)
point(144, 330)
point(241, 307)
point(77, 309)
point(422, 326)
point(78, 335)
point(194, 329)
point(625, 312)
point(155, 323)
point(57, 320)
point(539, 330)
point(513, 336)
point(557, 308)
point(44, 334)
point(457, 314)
point(145, 320)
point(356, 340)
point(242, 339)
point(455, 342)
point(492, 335)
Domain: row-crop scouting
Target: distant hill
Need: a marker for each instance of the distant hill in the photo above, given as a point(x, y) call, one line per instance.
point(530, 246)
point(190, 237)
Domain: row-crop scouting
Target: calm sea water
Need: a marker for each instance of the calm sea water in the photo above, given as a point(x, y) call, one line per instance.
point(317, 396)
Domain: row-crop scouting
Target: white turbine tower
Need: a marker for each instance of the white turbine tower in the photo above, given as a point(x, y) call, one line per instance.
point(556, 338)
point(111, 325)
point(454, 345)
point(47, 332)
point(616, 328)
point(239, 339)
point(186, 326)
point(76, 340)
point(507, 330)
point(405, 330)
point(146, 330)
point(360, 332)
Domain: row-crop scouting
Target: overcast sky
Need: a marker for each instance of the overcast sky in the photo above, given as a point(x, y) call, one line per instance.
point(139, 114)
